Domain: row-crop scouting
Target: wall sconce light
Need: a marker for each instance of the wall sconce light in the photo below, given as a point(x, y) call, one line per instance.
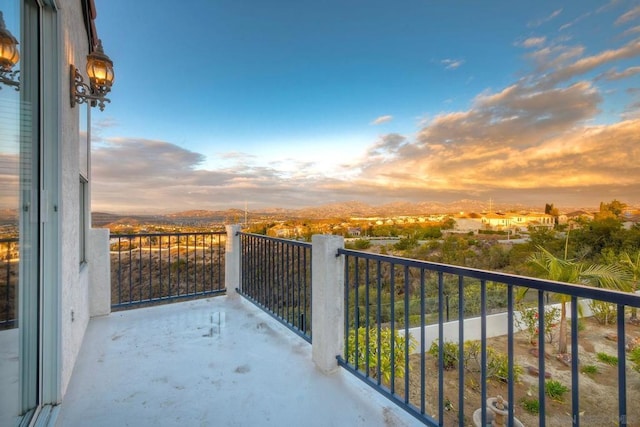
point(100, 73)
point(9, 57)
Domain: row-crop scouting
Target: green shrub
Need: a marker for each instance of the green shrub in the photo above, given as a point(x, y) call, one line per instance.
point(385, 351)
point(604, 312)
point(498, 366)
point(362, 244)
point(450, 354)
point(589, 369)
point(555, 389)
point(634, 357)
point(497, 362)
point(608, 359)
point(531, 405)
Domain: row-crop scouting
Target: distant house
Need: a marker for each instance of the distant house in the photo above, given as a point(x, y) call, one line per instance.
point(496, 221)
point(580, 215)
point(499, 221)
point(354, 231)
point(467, 225)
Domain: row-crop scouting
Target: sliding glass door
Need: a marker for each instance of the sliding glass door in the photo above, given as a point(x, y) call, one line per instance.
point(20, 252)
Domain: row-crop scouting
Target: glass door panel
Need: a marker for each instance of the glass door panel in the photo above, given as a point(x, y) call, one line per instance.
point(19, 216)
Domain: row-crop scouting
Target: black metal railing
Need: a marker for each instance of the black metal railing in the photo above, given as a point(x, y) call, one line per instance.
point(449, 381)
point(9, 263)
point(276, 276)
point(154, 268)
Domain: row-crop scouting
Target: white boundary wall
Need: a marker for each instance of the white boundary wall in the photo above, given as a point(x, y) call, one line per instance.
point(497, 325)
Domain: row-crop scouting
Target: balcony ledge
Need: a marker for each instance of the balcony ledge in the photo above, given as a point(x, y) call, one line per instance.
point(219, 361)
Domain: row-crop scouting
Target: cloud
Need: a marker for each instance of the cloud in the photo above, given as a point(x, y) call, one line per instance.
point(537, 139)
point(615, 75)
point(631, 31)
point(539, 22)
point(532, 42)
point(574, 22)
point(382, 119)
point(387, 145)
point(451, 64)
point(586, 64)
point(628, 16)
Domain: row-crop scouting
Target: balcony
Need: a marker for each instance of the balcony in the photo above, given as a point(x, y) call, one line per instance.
point(215, 361)
point(296, 340)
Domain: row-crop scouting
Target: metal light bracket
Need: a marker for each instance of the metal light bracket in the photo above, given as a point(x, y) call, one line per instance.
point(10, 78)
point(81, 92)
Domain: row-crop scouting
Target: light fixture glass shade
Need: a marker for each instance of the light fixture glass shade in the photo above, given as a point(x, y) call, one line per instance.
point(9, 53)
point(100, 70)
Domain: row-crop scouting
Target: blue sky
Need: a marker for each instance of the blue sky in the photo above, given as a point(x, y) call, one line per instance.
point(300, 103)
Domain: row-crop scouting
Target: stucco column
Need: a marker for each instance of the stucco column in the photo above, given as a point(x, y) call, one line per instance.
point(327, 301)
point(99, 260)
point(232, 260)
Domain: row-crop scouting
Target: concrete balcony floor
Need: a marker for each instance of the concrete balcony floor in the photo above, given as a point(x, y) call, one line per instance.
point(214, 362)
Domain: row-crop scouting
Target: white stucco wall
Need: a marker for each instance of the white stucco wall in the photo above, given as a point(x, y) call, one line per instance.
point(99, 263)
point(74, 278)
point(497, 325)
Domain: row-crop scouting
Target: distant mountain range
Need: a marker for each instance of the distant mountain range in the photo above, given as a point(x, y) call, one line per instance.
point(351, 209)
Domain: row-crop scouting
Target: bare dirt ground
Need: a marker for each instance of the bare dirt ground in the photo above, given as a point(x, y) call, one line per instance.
point(598, 391)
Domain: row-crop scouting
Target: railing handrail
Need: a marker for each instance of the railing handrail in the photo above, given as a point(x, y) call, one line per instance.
point(280, 284)
point(277, 239)
point(181, 233)
point(582, 291)
point(174, 269)
point(9, 240)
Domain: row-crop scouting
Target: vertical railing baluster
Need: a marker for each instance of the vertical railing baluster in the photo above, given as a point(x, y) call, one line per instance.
point(440, 348)
point(461, 350)
point(179, 267)
point(622, 368)
point(169, 264)
point(304, 291)
point(346, 317)
point(379, 320)
point(407, 336)
point(150, 269)
point(161, 287)
point(510, 354)
point(541, 361)
point(119, 270)
point(298, 278)
point(356, 311)
point(220, 267)
point(575, 386)
point(483, 351)
point(130, 272)
point(392, 386)
point(367, 314)
point(422, 343)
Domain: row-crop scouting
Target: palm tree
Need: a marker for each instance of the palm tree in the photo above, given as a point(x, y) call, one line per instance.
point(550, 267)
point(631, 263)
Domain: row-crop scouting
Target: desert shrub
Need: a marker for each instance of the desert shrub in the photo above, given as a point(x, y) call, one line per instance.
point(179, 265)
point(634, 357)
point(608, 359)
point(361, 244)
point(589, 369)
point(531, 405)
point(604, 312)
point(555, 389)
point(384, 350)
point(498, 366)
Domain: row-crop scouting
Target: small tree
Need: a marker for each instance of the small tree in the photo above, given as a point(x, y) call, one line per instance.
point(631, 263)
point(553, 268)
